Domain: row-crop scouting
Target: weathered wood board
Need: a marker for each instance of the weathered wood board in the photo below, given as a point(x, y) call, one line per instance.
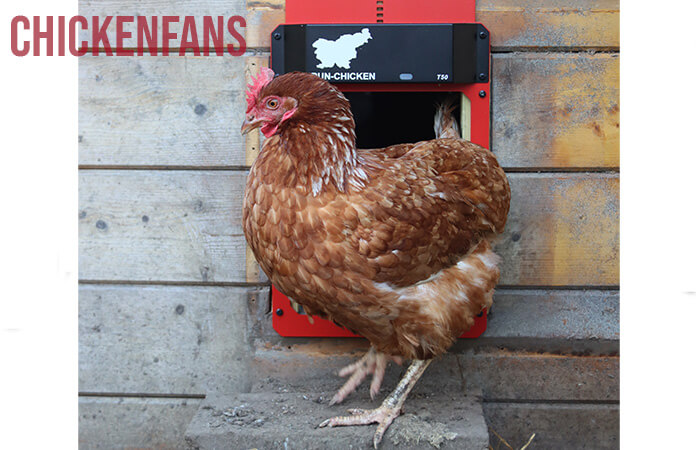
point(161, 225)
point(574, 321)
point(181, 8)
point(557, 426)
point(563, 229)
point(162, 339)
point(550, 24)
point(128, 423)
point(556, 110)
point(494, 374)
point(514, 24)
point(192, 340)
point(549, 111)
point(185, 226)
point(567, 316)
point(153, 111)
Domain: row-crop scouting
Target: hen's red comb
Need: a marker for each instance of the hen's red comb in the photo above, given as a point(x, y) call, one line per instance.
point(264, 77)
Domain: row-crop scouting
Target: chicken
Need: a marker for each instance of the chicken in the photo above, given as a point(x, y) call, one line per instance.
point(392, 244)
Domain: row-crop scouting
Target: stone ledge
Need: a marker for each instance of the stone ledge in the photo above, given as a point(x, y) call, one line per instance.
point(289, 421)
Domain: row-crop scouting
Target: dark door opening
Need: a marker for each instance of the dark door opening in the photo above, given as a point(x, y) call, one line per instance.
point(387, 118)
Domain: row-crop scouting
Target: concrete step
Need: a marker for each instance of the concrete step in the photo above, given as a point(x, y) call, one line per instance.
point(288, 421)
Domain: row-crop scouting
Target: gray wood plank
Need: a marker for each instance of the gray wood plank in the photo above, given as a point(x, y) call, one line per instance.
point(554, 315)
point(181, 111)
point(566, 426)
point(149, 8)
point(118, 422)
point(161, 226)
point(168, 339)
point(562, 229)
point(278, 421)
point(494, 374)
point(162, 339)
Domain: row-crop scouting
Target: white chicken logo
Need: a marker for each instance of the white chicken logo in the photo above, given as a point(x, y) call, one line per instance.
point(341, 51)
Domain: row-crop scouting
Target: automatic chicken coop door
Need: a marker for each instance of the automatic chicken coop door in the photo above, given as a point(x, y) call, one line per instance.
point(395, 60)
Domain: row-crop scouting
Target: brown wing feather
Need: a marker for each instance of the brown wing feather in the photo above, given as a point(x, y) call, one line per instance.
point(427, 205)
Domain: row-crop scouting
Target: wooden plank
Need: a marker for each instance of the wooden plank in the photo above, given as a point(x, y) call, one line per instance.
point(567, 426)
point(514, 24)
point(568, 316)
point(128, 423)
point(563, 229)
point(288, 420)
point(262, 18)
point(162, 339)
point(575, 321)
point(549, 110)
point(161, 226)
point(553, 24)
point(183, 111)
point(252, 149)
point(195, 8)
point(494, 374)
point(505, 375)
point(556, 110)
point(192, 340)
point(184, 226)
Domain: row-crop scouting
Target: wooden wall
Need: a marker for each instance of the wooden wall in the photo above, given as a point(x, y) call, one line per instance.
point(171, 309)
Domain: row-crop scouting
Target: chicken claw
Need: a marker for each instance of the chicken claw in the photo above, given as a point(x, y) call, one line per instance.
point(388, 410)
point(383, 415)
point(374, 363)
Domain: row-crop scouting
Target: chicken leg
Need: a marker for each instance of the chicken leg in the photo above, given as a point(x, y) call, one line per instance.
point(390, 408)
point(373, 363)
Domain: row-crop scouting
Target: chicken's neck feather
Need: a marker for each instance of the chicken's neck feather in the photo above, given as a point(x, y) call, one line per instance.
point(323, 154)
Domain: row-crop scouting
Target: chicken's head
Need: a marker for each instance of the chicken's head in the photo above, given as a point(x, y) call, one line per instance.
point(267, 111)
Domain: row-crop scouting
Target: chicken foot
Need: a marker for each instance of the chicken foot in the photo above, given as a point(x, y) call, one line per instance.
point(374, 363)
point(390, 408)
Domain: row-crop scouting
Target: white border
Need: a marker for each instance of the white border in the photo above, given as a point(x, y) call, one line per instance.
point(38, 269)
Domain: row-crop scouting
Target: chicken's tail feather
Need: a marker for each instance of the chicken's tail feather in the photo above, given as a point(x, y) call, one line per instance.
point(445, 124)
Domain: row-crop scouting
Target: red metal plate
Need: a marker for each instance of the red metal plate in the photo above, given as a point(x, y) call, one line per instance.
point(368, 11)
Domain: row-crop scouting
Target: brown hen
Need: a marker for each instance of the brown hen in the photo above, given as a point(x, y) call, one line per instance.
point(392, 243)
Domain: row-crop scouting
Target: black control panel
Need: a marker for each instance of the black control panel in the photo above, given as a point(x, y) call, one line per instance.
point(384, 53)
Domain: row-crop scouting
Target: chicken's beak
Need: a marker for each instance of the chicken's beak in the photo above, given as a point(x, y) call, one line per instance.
point(250, 122)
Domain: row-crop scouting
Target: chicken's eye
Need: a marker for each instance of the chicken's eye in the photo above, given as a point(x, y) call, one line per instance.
point(272, 103)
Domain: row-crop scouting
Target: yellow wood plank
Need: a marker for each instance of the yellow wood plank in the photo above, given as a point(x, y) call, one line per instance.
point(518, 24)
point(262, 18)
point(563, 229)
point(253, 147)
point(556, 110)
